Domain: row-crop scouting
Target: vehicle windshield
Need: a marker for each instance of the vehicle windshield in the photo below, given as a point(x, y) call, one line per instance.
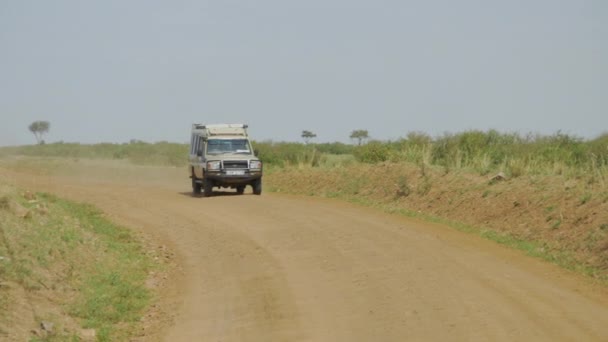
point(220, 146)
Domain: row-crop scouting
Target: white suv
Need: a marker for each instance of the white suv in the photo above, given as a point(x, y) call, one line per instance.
point(221, 156)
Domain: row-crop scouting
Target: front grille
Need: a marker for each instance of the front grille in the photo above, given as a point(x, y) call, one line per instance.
point(236, 164)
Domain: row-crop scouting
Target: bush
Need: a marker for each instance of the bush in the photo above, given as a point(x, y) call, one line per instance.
point(284, 153)
point(334, 148)
point(373, 152)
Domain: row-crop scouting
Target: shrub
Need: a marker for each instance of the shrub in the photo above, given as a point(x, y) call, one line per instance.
point(373, 152)
point(403, 187)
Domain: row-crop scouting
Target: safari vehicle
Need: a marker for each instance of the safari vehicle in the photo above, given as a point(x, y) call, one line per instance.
point(221, 156)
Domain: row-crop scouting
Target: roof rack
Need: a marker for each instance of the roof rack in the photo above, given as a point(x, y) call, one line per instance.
point(203, 126)
point(207, 130)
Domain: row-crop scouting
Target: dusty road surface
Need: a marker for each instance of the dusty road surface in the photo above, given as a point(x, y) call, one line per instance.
point(282, 268)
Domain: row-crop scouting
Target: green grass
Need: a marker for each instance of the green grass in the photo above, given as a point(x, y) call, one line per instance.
point(73, 246)
point(585, 198)
point(114, 292)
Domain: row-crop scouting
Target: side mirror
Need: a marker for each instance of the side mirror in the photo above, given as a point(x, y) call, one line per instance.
point(199, 153)
point(256, 152)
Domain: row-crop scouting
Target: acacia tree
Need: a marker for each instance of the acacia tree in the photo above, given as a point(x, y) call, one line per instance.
point(360, 135)
point(39, 128)
point(307, 136)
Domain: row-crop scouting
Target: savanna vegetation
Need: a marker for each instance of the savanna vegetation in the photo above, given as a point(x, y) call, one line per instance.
point(473, 151)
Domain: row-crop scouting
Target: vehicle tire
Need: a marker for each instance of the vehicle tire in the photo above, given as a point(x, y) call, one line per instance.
point(257, 187)
point(196, 187)
point(208, 187)
point(240, 189)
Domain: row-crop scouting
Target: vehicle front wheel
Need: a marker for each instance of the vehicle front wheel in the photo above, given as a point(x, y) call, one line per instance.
point(257, 187)
point(208, 187)
point(196, 187)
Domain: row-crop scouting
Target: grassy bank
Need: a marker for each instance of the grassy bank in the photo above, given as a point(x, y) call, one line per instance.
point(64, 264)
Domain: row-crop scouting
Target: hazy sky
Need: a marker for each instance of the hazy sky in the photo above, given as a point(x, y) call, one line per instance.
point(111, 71)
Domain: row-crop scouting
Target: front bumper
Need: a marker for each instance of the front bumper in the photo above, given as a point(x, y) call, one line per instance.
point(233, 177)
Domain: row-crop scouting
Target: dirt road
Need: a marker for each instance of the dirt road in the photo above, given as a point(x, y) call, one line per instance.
point(281, 268)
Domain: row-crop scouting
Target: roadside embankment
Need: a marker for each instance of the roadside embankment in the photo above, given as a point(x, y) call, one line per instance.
point(66, 272)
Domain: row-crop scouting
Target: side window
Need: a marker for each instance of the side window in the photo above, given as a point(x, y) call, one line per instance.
point(192, 144)
point(200, 145)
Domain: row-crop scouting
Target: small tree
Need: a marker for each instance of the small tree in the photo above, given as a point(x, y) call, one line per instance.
point(360, 135)
point(307, 136)
point(38, 128)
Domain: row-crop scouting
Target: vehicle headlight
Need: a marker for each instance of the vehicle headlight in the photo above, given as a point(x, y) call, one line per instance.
point(255, 165)
point(214, 165)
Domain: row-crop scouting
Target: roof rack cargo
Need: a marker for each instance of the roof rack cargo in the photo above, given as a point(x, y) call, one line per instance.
point(207, 130)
